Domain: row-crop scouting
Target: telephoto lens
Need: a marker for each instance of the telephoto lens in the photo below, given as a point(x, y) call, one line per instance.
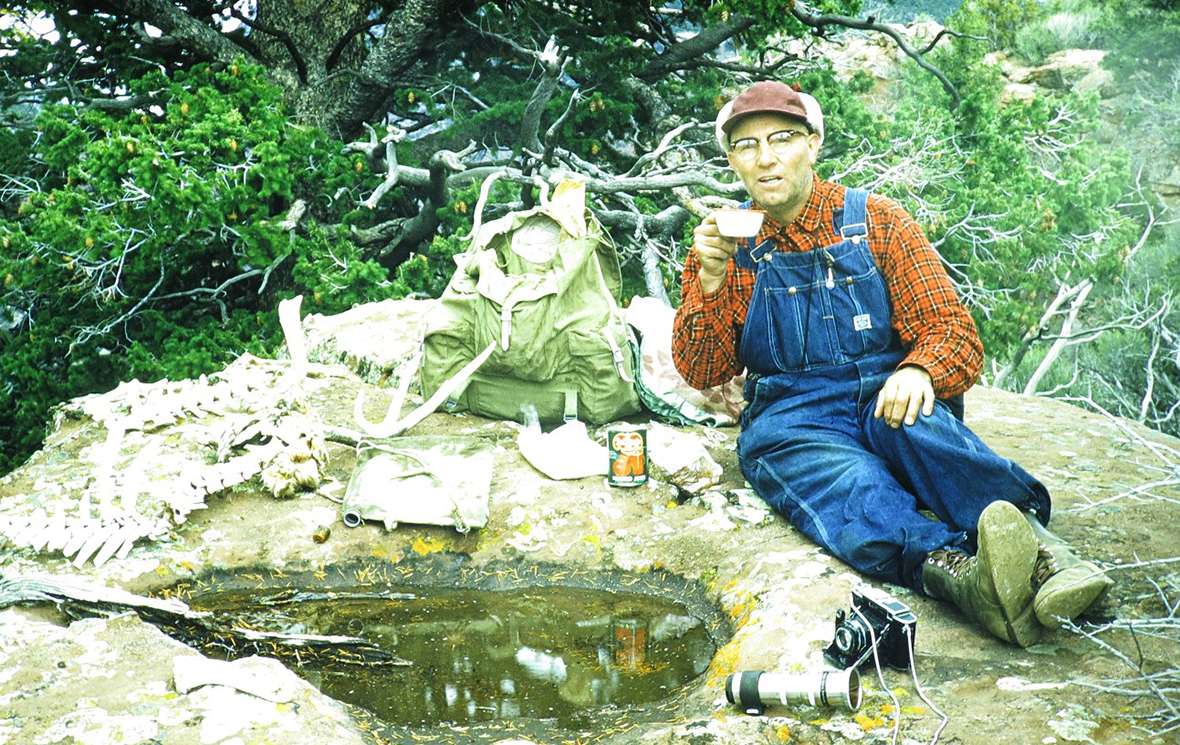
point(753, 690)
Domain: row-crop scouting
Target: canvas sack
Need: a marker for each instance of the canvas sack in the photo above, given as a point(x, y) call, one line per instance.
point(541, 288)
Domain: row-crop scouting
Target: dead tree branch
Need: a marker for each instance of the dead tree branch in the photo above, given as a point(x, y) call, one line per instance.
point(1077, 295)
point(689, 52)
point(1065, 293)
point(553, 63)
point(821, 22)
point(79, 599)
point(555, 128)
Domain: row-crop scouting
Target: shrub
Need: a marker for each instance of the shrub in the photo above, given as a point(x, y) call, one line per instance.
point(148, 244)
point(1065, 30)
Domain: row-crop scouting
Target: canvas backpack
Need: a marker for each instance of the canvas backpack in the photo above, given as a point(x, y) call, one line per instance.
point(537, 293)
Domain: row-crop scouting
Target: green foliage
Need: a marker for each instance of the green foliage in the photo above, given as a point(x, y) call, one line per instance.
point(144, 246)
point(1012, 212)
point(774, 15)
point(1065, 29)
point(998, 20)
point(1140, 36)
point(1135, 135)
point(1143, 46)
point(137, 243)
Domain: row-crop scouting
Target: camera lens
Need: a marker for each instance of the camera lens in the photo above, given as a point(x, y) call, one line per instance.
point(851, 636)
point(752, 691)
point(843, 639)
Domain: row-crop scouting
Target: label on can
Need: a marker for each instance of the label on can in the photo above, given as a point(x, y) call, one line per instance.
point(630, 643)
point(627, 448)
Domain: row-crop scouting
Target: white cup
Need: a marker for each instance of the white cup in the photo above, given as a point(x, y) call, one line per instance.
point(736, 223)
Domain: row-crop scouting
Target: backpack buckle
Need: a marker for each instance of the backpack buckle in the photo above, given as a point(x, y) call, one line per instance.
point(571, 406)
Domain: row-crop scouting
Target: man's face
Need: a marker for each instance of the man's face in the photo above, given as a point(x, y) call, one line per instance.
point(773, 155)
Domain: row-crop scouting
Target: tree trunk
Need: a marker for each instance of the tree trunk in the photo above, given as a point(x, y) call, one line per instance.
point(313, 71)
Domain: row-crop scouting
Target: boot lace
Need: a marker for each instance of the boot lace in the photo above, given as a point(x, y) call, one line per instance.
point(1045, 566)
point(954, 562)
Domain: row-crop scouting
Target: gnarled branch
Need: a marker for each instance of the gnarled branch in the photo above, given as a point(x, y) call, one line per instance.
point(394, 54)
point(687, 53)
point(186, 30)
point(342, 42)
point(283, 36)
point(821, 22)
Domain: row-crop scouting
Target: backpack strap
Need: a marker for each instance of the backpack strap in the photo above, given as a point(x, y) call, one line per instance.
point(392, 425)
point(616, 352)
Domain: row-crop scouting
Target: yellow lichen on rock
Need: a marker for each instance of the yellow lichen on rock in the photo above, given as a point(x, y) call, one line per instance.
point(724, 663)
point(869, 723)
point(424, 545)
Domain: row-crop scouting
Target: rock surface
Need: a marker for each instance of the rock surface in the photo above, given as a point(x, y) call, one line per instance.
point(110, 680)
point(1078, 70)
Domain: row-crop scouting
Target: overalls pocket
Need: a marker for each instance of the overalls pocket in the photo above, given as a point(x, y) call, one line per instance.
point(802, 337)
point(858, 322)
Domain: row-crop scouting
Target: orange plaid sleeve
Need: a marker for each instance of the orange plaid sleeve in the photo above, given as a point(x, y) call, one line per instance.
point(707, 328)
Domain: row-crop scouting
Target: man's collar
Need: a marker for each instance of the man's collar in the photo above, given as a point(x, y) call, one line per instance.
point(808, 220)
point(816, 206)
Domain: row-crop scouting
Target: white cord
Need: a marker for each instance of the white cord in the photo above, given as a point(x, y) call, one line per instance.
point(918, 687)
point(880, 677)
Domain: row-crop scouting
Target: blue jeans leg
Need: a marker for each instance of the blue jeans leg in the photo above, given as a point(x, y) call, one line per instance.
point(950, 470)
point(845, 499)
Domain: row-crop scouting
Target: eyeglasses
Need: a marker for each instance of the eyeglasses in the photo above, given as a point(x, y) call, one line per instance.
point(746, 149)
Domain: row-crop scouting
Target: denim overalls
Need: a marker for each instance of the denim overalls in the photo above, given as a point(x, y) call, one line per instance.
point(818, 345)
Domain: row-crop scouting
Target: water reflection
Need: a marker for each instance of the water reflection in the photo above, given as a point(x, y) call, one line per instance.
point(550, 653)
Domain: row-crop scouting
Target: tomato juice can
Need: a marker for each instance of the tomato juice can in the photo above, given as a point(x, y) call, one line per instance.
point(626, 446)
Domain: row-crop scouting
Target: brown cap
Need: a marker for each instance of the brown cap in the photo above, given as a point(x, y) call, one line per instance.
point(767, 97)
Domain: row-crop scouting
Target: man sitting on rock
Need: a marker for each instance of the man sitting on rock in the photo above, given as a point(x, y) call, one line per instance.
point(857, 351)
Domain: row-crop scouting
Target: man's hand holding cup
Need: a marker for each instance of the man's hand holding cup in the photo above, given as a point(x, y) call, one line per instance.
point(716, 239)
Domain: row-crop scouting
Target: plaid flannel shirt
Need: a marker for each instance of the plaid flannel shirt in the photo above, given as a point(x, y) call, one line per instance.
point(933, 324)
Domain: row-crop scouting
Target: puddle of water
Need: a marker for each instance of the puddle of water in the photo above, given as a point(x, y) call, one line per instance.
point(550, 653)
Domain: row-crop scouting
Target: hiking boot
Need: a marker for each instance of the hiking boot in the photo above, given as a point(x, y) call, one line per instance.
point(994, 587)
point(1065, 585)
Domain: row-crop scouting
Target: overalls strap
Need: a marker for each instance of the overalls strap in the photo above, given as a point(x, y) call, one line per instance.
point(749, 254)
point(850, 223)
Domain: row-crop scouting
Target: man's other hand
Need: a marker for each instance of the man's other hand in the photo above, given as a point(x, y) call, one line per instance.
point(906, 391)
point(713, 250)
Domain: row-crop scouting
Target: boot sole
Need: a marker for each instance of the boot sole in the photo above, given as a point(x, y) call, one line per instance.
point(1069, 593)
point(1008, 548)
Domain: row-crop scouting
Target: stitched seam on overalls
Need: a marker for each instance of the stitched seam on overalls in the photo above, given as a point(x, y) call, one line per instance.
point(788, 492)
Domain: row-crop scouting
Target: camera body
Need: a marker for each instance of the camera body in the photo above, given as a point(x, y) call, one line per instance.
point(890, 620)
